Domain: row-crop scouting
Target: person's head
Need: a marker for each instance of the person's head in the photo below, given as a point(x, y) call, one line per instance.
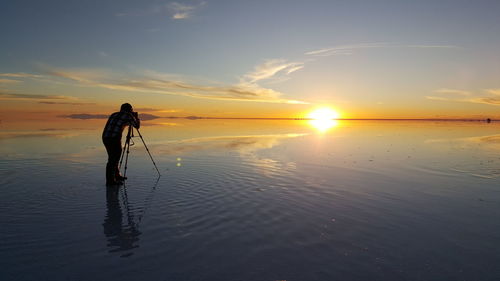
point(126, 107)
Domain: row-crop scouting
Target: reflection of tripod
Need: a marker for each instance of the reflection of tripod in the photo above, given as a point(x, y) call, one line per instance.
point(123, 235)
point(126, 149)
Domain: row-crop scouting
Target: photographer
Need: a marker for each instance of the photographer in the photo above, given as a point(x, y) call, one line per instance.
point(111, 137)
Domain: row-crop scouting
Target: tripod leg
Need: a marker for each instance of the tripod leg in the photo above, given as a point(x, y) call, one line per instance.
point(126, 158)
point(147, 149)
point(126, 149)
point(123, 154)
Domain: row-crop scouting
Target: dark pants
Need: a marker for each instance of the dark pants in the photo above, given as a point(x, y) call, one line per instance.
point(114, 149)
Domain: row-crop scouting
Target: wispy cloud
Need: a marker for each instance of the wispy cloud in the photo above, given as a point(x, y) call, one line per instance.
point(344, 49)
point(150, 109)
point(9, 81)
point(174, 10)
point(453, 92)
point(6, 78)
point(487, 100)
point(270, 69)
point(487, 96)
point(152, 82)
point(84, 76)
point(9, 135)
point(180, 11)
point(428, 46)
point(66, 103)
point(350, 49)
point(86, 116)
point(11, 96)
point(20, 75)
point(156, 110)
point(494, 91)
point(439, 98)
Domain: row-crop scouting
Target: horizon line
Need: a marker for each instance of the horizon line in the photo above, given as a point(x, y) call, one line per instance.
point(333, 119)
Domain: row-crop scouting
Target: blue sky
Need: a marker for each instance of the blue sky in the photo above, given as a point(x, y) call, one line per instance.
point(354, 55)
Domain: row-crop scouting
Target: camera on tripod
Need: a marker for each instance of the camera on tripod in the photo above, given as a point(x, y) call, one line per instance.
point(126, 147)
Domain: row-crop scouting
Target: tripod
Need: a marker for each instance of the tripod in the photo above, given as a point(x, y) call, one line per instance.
point(126, 149)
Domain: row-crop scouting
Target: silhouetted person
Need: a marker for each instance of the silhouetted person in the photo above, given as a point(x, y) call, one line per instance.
point(112, 139)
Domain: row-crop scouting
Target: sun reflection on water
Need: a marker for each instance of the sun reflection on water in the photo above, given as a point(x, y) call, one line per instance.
point(323, 119)
point(323, 125)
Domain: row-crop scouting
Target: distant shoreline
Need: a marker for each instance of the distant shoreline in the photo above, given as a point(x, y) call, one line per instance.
point(339, 119)
point(148, 117)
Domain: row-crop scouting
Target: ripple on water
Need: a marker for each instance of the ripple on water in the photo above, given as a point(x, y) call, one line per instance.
point(246, 215)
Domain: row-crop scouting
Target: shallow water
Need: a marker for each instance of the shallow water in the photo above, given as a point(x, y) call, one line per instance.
point(254, 200)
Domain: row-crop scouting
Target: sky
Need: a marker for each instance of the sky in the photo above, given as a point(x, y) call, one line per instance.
point(274, 58)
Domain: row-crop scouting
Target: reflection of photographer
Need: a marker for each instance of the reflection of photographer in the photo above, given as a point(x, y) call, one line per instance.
point(120, 237)
point(111, 137)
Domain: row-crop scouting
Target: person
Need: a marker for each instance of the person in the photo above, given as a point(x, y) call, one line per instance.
point(112, 136)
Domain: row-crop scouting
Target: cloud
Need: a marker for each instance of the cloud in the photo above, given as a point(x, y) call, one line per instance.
point(438, 98)
point(10, 96)
point(487, 100)
point(429, 46)
point(179, 11)
point(67, 103)
point(33, 135)
point(9, 81)
point(149, 109)
point(64, 129)
point(453, 92)
point(492, 96)
point(494, 91)
point(146, 116)
point(86, 116)
point(174, 10)
point(6, 78)
point(271, 68)
point(350, 49)
point(152, 82)
point(20, 75)
point(85, 76)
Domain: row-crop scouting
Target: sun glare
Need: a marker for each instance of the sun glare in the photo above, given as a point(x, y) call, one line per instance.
point(323, 119)
point(323, 113)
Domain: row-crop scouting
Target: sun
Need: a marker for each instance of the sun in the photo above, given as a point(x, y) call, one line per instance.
point(323, 119)
point(323, 113)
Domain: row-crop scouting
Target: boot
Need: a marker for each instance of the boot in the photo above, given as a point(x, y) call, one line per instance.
point(110, 175)
point(119, 177)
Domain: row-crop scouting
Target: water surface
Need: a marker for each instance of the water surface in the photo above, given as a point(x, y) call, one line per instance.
point(253, 200)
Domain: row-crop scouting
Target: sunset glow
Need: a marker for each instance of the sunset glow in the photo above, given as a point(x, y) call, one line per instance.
point(323, 125)
point(323, 119)
point(323, 113)
point(258, 140)
point(162, 61)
